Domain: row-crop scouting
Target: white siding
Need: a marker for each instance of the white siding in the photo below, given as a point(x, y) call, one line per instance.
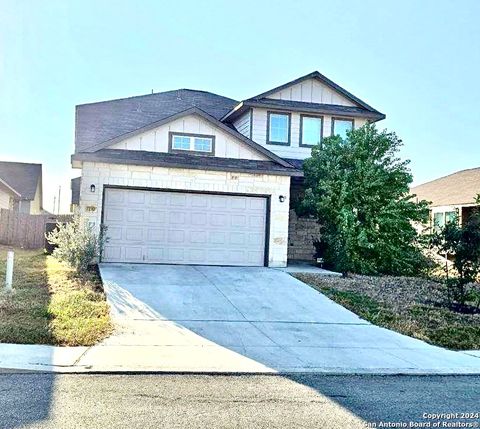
point(4, 200)
point(242, 124)
point(312, 91)
point(156, 140)
point(101, 174)
point(294, 151)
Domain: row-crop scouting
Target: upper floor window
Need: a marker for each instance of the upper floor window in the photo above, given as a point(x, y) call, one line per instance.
point(278, 128)
point(341, 126)
point(198, 143)
point(310, 130)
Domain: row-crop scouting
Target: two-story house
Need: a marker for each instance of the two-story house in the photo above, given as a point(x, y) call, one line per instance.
point(191, 177)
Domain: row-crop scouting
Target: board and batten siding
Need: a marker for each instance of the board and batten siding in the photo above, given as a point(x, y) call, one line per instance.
point(156, 140)
point(294, 151)
point(311, 91)
point(242, 124)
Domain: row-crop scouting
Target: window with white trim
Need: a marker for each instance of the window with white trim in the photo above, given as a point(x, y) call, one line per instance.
point(440, 219)
point(192, 143)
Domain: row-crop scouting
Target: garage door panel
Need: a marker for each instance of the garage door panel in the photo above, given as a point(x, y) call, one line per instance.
point(198, 237)
point(198, 218)
point(113, 214)
point(114, 233)
point(158, 198)
point(177, 217)
point(256, 221)
point(112, 253)
point(115, 196)
point(137, 216)
point(136, 197)
point(134, 254)
point(178, 200)
point(157, 216)
point(216, 237)
point(176, 236)
point(134, 234)
point(156, 234)
point(184, 228)
point(154, 254)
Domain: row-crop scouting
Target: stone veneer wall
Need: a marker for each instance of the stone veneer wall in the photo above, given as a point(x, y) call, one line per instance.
point(100, 174)
point(303, 231)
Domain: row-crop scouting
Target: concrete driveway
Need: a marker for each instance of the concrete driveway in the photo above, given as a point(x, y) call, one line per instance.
point(231, 319)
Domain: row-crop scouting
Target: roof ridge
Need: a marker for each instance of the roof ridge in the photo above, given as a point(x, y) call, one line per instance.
point(20, 162)
point(155, 93)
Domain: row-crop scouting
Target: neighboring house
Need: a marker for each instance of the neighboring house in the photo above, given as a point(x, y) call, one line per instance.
point(191, 177)
point(450, 196)
point(21, 187)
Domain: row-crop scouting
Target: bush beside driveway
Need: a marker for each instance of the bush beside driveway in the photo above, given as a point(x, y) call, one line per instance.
point(49, 304)
point(412, 306)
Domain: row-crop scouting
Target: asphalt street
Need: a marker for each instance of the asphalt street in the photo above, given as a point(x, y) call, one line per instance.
point(206, 401)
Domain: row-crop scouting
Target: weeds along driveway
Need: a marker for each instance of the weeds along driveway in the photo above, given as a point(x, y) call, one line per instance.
point(198, 318)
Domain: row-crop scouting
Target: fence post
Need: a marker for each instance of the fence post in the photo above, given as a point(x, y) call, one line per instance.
point(9, 274)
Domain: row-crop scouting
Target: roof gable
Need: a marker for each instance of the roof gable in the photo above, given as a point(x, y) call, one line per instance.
point(23, 178)
point(311, 82)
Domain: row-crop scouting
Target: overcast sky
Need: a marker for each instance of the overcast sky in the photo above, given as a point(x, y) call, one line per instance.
point(416, 61)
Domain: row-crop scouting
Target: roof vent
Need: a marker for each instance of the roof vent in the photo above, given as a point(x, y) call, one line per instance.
point(179, 95)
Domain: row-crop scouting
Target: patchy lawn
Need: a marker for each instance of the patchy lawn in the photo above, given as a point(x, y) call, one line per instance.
point(411, 306)
point(49, 304)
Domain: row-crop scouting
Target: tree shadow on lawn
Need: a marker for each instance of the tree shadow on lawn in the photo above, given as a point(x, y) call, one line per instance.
point(25, 319)
point(49, 305)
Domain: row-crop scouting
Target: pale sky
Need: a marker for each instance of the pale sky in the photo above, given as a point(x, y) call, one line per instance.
point(416, 61)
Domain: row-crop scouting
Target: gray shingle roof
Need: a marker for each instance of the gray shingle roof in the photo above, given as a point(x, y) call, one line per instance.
point(21, 177)
point(198, 162)
point(99, 122)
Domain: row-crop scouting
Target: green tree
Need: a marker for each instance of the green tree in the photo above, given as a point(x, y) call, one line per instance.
point(358, 189)
point(462, 242)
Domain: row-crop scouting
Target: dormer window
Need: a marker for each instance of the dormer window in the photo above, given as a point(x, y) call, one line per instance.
point(310, 130)
point(278, 128)
point(340, 127)
point(199, 144)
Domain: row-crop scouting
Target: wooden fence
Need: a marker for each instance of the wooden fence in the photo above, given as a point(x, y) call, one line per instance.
point(25, 230)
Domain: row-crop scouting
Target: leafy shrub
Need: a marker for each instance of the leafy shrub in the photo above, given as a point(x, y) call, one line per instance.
point(77, 244)
point(358, 189)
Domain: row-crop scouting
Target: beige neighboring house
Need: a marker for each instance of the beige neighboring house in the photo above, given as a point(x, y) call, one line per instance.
point(450, 195)
point(21, 187)
point(192, 177)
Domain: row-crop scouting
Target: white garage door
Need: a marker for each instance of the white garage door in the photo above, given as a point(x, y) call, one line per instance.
point(184, 228)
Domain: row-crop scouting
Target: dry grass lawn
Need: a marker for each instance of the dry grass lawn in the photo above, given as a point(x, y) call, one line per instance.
point(49, 304)
point(411, 306)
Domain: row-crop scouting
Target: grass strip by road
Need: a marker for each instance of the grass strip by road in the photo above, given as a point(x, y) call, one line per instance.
point(412, 306)
point(49, 304)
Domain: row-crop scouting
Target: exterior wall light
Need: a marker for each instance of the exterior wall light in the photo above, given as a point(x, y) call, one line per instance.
point(282, 198)
point(92, 188)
